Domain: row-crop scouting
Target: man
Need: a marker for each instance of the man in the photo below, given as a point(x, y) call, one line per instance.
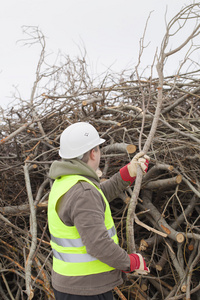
point(87, 260)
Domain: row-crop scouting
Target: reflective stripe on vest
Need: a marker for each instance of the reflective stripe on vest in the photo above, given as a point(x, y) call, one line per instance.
point(76, 242)
point(73, 257)
point(70, 257)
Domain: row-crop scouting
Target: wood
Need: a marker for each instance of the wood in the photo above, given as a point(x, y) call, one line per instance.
point(160, 220)
point(119, 293)
point(131, 149)
point(158, 215)
point(180, 237)
point(149, 228)
point(143, 245)
point(123, 147)
point(91, 101)
point(164, 183)
point(159, 268)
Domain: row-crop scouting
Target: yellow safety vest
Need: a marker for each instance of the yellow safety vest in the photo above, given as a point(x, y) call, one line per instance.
point(70, 257)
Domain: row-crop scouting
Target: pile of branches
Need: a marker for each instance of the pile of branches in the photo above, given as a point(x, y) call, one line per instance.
point(157, 216)
point(167, 221)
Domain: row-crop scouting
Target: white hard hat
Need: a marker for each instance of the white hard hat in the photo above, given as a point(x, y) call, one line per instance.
point(77, 139)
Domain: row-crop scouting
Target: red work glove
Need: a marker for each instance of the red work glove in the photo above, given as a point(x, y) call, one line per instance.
point(129, 172)
point(139, 159)
point(138, 264)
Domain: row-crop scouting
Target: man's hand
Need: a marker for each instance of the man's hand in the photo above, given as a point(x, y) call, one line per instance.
point(139, 159)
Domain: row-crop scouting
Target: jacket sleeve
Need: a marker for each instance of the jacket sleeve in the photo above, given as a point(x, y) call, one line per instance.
point(114, 186)
point(86, 209)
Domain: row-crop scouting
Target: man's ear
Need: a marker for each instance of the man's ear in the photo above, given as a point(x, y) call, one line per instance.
point(92, 154)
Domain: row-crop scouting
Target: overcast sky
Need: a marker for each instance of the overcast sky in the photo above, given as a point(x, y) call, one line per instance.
point(110, 31)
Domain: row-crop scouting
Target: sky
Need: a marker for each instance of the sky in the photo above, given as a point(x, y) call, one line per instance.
point(109, 30)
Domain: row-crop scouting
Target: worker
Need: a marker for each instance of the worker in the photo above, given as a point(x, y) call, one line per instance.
point(87, 259)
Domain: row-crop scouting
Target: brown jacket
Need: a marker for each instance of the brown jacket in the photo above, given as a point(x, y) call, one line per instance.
point(83, 206)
